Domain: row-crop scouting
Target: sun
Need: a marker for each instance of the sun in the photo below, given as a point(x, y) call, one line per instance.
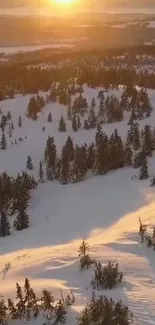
point(64, 2)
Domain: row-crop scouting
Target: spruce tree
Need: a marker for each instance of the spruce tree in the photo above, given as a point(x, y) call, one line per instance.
point(22, 220)
point(9, 115)
point(78, 122)
point(147, 140)
point(3, 142)
point(30, 297)
point(3, 122)
point(100, 165)
point(128, 156)
point(4, 225)
point(74, 124)
point(101, 108)
point(152, 183)
point(12, 126)
point(64, 176)
point(92, 118)
point(50, 158)
point(83, 249)
point(62, 125)
point(132, 117)
point(98, 135)
point(77, 172)
point(47, 301)
point(60, 314)
point(12, 310)
point(143, 174)
point(10, 130)
point(41, 173)
point(138, 159)
point(70, 148)
point(90, 156)
point(29, 164)
point(21, 309)
point(20, 122)
point(86, 125)
point(93, 103)
point(136, 136)
point(69, 110)
point(3, 311)
point(49, 118)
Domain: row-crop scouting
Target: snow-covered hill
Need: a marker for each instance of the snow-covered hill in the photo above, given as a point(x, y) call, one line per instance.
point(103, 209)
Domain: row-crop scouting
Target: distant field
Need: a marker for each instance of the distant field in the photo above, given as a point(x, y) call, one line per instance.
point(93, 31)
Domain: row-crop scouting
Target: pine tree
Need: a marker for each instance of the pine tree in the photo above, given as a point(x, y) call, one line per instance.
point(70, 148)
point(69, 111)
point(20, 122)
point(152, 181)
point(100, 165)
point(47, 301)
point(138, 158)
point(41, 173)
point(3, 142)
point(12, 310)
point(86, 125)
point(49, 118)
point(10, 130)
point(64, 176)
point(116, 156)
point(83, 249)
point(77, 167)
point(29, 164)
point(78, 122)
point(62, 125)
point(92, 118)
point(128, 156)
point(12, 126)
point(9, 115)
point(93, 103)
point(98, 135)
point(124, 101)
point(143, 174)
point(83, 165)
point(60, 313)
point(74, 124)
point(147, 140)
point(132, 117)
point(4, 225)
point(101, 108)
point(30, 297)
point(136, 136)
point(90, 156)
point(22, 220)
point(3, 122)
point(50, 158)
point(3, 311)
point(21, 310)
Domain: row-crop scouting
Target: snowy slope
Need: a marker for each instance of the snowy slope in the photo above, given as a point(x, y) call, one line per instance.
point(104, 210)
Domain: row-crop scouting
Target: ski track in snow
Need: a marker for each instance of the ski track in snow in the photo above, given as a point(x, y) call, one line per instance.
point(104, 210)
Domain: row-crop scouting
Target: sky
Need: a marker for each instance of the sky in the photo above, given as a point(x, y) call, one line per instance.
point(147, 6)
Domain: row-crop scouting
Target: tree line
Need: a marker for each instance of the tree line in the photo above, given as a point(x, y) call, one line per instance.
point(102, 156)
point(14, 200)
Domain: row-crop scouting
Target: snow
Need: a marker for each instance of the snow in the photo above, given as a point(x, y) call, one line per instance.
point(104, 210)
point(119, 26)
point(150, 43)
point(31, 48)
point(151, 24)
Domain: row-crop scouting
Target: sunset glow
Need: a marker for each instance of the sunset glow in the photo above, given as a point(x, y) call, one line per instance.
point(65, 2)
